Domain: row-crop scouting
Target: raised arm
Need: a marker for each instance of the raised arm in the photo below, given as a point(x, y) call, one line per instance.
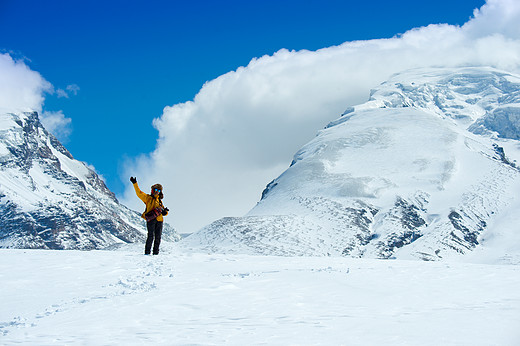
point(142, 196)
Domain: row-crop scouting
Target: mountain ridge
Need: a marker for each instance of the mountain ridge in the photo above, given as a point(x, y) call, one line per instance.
point(50, 200)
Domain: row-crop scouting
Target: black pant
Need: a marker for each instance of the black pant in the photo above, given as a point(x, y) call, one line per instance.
point(154, 231)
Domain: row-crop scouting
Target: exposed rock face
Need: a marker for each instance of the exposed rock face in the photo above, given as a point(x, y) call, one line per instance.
point(49, 200)
point(419, 171)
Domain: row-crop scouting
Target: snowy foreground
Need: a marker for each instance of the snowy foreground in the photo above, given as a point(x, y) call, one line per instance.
point(123, 297)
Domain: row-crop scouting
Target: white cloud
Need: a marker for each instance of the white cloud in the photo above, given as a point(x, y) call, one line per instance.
point(215, 154)
point(70, 89)
point(73, 88)
point(495, 17)
point(62, 93)
point(21, 89)
point(57, 124)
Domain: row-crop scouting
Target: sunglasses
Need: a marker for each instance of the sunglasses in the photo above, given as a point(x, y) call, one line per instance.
point(156, 190)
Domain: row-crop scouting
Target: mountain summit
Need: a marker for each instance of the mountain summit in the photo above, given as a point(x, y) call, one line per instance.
point(50, 200)
point(425, 169)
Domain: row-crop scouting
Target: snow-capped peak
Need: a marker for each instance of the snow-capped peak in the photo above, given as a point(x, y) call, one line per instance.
point(50, 200)
point(422, 170)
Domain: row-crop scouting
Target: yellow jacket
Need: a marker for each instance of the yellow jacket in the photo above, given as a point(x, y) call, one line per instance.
point(151, 202)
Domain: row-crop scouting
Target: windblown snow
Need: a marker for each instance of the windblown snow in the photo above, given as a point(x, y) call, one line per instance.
point(426, 169)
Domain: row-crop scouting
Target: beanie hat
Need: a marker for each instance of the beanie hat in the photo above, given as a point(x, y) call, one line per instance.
point(157, 186)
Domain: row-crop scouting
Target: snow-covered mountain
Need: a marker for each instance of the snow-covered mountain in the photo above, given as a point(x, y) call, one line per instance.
point(50, 200)
point(426, 169)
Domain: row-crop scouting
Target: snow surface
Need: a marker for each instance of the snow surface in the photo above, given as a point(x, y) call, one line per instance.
point(179, 298)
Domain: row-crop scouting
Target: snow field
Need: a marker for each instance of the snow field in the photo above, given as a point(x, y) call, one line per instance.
point(179, 298)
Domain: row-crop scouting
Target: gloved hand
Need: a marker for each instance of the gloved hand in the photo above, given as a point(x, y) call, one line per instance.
point(133, 180)
point(165, 211)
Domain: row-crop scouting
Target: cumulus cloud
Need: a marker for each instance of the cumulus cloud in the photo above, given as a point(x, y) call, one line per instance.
point(215, 154)
point(495, 17)
point(57, 124)
point(21, 89)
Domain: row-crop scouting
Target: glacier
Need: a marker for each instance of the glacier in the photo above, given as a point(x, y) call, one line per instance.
point(425, 169)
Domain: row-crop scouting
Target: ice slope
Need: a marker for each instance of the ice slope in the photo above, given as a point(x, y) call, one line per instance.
point(125, 298)
point(50, 200)
point(426, 169)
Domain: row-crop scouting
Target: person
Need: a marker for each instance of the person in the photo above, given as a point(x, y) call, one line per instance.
point(153, 214)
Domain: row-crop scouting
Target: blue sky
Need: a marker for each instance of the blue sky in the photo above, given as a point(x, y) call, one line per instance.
point(130, 59)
